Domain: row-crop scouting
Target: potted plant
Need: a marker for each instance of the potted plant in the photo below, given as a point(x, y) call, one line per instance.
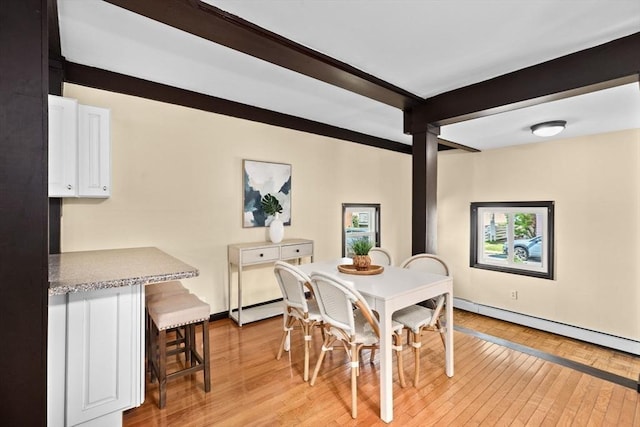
point(361, 248)
point(272, 207)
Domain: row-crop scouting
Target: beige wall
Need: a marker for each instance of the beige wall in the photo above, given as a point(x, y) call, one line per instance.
point(595, 184)
point(177, 185)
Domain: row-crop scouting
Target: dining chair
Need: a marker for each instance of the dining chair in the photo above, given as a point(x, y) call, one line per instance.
point(380, 256)
point(418, 318)
point(349, 319)
point(298, 308)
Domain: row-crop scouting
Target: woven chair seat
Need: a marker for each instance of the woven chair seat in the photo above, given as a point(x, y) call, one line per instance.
point(414, 317)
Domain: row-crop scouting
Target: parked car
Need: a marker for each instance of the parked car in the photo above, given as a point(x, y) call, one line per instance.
point(526, 248)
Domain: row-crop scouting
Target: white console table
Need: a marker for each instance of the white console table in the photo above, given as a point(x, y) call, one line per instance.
point(245, 254)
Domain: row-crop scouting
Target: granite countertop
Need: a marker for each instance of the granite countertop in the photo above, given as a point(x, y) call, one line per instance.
point(92, 270)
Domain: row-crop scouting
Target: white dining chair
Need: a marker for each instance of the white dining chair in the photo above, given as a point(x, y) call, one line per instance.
point(355, 329)
point(417, 318)
point(380, 256)
point(298, 309)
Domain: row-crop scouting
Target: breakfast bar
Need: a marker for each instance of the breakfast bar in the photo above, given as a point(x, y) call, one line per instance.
point(96, 331)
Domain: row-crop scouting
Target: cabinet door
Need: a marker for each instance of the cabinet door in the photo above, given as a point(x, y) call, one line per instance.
point(103, 352)
point(94, 152)
point(63, 119)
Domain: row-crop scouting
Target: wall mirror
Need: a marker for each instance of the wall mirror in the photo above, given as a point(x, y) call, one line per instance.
point(359, 220)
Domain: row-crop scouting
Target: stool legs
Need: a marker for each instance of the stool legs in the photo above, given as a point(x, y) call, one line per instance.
point(162, 368)
point(205, 350)
point(194, 361)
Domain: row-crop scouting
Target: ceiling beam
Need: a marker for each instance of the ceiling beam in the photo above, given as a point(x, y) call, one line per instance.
point(115, 82)
point(607, 65)
point(216, 25)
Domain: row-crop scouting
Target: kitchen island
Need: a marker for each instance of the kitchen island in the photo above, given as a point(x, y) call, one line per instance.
point(95, 360)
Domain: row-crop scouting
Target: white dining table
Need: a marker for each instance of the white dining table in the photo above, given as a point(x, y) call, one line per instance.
point(387, 292)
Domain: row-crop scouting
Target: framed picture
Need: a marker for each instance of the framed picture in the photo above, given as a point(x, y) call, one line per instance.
point(260, 179)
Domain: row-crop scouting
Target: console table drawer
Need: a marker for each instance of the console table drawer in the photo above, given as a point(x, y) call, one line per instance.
point(260, 255)
point(297, 251)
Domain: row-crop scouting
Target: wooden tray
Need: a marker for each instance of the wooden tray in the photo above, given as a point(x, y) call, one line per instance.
point(350, 269)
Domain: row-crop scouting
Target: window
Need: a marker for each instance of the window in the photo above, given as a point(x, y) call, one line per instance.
point(513, 237)
point(358, 221)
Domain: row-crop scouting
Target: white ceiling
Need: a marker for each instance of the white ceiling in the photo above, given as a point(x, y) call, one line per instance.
point(425, 47)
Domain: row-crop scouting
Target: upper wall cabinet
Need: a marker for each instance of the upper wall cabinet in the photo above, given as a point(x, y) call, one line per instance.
point(79, 149)
point(63, 147)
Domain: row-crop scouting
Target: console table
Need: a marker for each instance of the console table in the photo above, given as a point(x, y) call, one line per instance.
point(245, 254)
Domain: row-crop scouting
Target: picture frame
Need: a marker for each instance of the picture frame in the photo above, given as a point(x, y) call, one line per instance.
point(259, 179)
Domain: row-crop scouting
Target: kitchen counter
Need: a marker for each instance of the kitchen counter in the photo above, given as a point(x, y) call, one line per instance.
point(96, 332)
point(102, 269)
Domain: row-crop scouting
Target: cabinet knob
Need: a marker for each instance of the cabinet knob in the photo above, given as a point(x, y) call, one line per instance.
point(261, 255)
point(297, 250)
point(104, 188)
point(69, 187)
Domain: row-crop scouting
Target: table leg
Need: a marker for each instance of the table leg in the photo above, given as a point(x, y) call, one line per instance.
point(386, 366)
point(449, 334)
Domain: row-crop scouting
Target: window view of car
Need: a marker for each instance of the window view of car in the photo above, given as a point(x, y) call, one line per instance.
point(526, 249)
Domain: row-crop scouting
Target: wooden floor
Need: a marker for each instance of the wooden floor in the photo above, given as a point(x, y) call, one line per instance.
point(492, 385)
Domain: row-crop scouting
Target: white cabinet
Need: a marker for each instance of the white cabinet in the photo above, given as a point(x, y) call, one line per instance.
point(94, 152)
point(96, 359)
point(79, 149)
point(63, 146)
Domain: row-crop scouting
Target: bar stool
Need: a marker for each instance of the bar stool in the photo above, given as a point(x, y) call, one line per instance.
point(155, 292)
point(186, 311)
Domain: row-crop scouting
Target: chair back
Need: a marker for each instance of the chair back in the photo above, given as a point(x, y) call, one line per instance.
point(336, 300)
point(292, 285)
point(427, 262)
point(431, 264)
point(380, 256)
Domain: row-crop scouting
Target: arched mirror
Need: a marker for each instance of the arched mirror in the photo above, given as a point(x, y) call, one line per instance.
point(359, 220)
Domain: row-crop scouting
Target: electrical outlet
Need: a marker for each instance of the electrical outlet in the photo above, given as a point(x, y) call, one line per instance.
point(514, 294)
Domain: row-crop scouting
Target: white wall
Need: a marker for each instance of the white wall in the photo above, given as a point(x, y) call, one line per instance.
point(177, 185)
point(595, 184)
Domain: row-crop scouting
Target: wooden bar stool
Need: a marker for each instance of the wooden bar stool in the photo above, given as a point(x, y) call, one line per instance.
point(155, 292)
point(186, 311)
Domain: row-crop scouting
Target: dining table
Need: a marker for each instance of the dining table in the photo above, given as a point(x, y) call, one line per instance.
point(393, 289)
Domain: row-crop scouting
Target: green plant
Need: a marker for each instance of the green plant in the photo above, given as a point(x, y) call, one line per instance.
point(270, 205)
point(361, 246)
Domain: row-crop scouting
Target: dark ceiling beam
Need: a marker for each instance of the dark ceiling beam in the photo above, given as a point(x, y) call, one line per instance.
point(445, 144)
point(607, 65)
point(218, 26)
point(55, 51)
point(115, 82)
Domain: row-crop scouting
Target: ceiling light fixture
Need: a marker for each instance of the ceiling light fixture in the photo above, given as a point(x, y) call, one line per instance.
point(548, 128)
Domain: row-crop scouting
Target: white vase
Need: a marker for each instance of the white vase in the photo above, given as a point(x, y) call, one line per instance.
point(276, 229)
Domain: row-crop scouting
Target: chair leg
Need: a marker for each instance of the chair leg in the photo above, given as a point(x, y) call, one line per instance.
point(354, 381)
point(416, 343)
point(439, 326)
point(205, 356)
point(307, 329)
point(286, 334)
point(325, 347)
point(397, 338)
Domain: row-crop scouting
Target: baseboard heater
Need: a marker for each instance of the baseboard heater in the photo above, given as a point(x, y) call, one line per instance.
point(594, 337)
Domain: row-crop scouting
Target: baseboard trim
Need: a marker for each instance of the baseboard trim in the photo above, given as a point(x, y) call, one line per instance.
point(594, 337)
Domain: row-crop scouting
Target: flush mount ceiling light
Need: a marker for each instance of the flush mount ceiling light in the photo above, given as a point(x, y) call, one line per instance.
point(548, 128)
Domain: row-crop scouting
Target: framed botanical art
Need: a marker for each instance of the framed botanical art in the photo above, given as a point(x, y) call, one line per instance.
point(259, 180)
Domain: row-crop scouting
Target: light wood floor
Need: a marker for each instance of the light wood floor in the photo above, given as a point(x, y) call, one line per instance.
point(492, 385)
